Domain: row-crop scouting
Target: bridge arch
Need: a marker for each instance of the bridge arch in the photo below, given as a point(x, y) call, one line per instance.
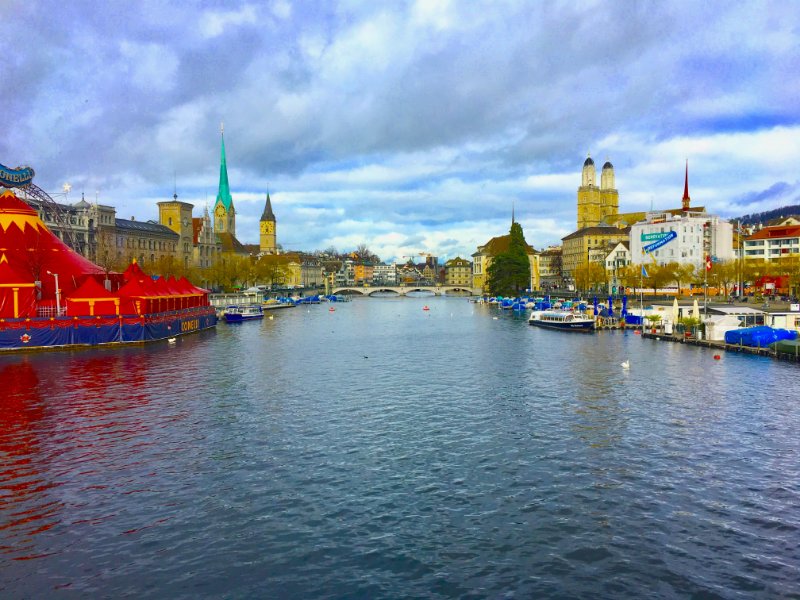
point(385, 290)
point(402, 290)
point(352, 291)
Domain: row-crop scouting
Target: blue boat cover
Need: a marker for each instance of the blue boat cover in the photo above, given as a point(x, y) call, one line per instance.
point(758, 337)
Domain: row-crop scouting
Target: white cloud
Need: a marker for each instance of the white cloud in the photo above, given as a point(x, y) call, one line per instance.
point(214, 23)
point(282, 9)
point(152, 66)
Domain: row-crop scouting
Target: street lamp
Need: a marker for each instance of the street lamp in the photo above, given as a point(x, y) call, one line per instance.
point(58, 294)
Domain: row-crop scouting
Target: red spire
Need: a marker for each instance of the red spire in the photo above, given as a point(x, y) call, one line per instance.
point(686, 198)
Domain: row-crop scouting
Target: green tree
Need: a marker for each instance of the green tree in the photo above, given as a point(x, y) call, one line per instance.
point(724, 275)
point(683, 274)
point(590, 275)
point(271, 269)
point(630, 276)
point(510, 271)
point(230, 271)
point(659, 276)
point(753, 270)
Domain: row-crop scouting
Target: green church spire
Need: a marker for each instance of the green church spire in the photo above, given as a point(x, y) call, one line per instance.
point(224, 193)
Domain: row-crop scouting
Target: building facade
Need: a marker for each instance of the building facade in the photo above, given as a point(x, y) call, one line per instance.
point(773, 243)
point(146, 241)
point(205, 242)
point(311, 274)
point(577, 247)
point(363, 273)
point(550, 268)
point(458, 271)
point(687, 238)
point(618, 257)
point(384, 274)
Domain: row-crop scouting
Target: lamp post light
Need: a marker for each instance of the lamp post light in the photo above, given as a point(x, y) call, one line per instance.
point(58, 294)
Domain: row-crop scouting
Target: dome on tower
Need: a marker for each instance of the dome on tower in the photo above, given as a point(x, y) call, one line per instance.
point(588, 162)
point(608, 165)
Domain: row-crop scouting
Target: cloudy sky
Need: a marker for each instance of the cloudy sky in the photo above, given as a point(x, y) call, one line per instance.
point(408, 126)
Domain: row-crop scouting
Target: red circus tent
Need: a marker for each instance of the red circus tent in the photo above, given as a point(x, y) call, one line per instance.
point(35, 253)
point(135, 297)
point(197, 296)
point(133, 271)
point(33, 261)
point(92, 299)
point(17, 292)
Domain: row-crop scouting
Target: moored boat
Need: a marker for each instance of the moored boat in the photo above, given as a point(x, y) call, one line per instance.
point(236, 313)
point(567, 321)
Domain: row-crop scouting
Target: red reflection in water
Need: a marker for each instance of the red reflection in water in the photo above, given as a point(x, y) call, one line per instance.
point(63, 423)
point(24, 506)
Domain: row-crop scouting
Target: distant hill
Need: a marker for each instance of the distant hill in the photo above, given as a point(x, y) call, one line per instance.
point(768, 215)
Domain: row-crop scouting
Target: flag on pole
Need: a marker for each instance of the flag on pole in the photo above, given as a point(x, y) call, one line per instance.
point(708, 263)
point(644, 271)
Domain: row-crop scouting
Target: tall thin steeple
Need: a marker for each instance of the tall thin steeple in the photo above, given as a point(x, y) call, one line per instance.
point(268, 215)
point(686, 198)
point(224, 193)
point(512, 212)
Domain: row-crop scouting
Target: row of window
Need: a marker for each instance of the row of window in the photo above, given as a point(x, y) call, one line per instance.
point(782, 242)
point(146, 244)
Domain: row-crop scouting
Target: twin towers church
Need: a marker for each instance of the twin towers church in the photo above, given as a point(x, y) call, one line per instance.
point(225, 216)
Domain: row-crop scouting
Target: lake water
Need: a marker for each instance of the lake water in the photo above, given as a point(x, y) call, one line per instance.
point(384, 451)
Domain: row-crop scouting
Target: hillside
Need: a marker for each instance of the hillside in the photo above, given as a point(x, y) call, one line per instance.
point(768, 215)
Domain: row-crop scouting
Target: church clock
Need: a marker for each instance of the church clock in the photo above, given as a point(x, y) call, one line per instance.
point(267, 227)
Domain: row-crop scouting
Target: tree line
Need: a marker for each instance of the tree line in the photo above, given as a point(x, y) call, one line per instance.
point(723, 276)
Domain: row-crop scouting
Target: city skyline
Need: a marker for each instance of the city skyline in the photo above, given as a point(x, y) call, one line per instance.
point(410, 127)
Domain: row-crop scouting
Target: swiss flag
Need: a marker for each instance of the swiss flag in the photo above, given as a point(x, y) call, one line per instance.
point(708, 263)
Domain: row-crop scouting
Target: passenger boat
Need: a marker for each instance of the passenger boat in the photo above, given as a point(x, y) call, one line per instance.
point(568, 321)
point(237, 313)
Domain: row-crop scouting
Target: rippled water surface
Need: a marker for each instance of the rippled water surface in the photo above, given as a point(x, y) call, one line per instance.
point(383, 451)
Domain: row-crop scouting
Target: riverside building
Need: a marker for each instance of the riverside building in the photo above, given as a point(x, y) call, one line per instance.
point(685, 236)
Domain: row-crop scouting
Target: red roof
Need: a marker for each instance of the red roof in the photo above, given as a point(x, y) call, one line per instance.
point(197, 225)
point(190, 287)
point(133, 270)
point(779, 231)
point(91, 289)
point(136, 288)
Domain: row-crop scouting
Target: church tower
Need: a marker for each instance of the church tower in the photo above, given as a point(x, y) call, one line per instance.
point(588, 195)
point(268, 239)
point(609, 196)
point(589, 174)
point(597, 205)
point(224, 213)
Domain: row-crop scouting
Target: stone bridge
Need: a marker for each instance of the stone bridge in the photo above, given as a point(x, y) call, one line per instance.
point(402, 290)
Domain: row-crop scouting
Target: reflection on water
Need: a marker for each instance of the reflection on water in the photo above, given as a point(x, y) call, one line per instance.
point(380, 450)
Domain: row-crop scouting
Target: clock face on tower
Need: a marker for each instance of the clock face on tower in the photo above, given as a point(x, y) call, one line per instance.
point(267, 227)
